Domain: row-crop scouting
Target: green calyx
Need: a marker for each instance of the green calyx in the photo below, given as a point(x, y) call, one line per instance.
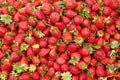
point(114, 44)
point(66, 76)
point(1, 44)
point(84, 13)
point(6, 19)
point(84, 67)
point(35, 46)
point(74, 60)
point(75, 32)
point(107, 20)
point(111, 67)
point(3, 76)
point(113, 54)
point(95, 18)
point(11, 9)
point(40, 33)
point(32, 68)
point(18, 69)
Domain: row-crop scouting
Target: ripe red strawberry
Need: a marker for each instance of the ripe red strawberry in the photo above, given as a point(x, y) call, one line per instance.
point(75, 77)
point(65, 20)
point(38, 14)
point(3, 30)
point(60, 25)
point(43, 43)
point(82, 76)
point(64, 67)
point(93, 62)
point(72, 47)
point(67, 37)
point(78, 20)
point(28, 8)
point(71, 13)
point(62, 47)
point(53, 54)
point(44, 51)
point(90, 2)
point(40, 25)
point(86, 23)
point(30, 52)
point(2, 55)
point(52, 41)
point(84, 51)
point(57, 66)
point(14, 57)
point(24, 76)
point(51, 72)
point(100, 71)
point(8, 38)
point(35, 60)
point(54, 17)
point(6, 66)
point(46, 8)
point(85, 32)
point(55, 32)
point(70, 4)
point(24, 60)
point(60, 60)
point(99, 54)
point(35, 75)
point(24, 25)
point(74, 70)
point(32, 21)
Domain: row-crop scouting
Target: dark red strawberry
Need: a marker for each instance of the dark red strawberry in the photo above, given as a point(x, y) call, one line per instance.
point(72, 47)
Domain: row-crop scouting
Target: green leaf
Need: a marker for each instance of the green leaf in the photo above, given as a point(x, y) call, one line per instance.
point(101, 11)
point(113, 54)
point(102, 78)
point(74, 60)
point(1, 44)
point(107, 20)
point(84, 13)
point(35, 46)
point(114, 44)
point(111, 67)
point(40, 33)
point(101, 2)
point(61, 4)
point(118, 26)
point(18, 69)
point(96, 47)
point(7, 19)
point(75, 32)
point(11, 9)
point(91, 50)
point(95, 18)
point(7, 53)
point(89, 74)
point(84, 67)
point(15, 43)
point(66, 76)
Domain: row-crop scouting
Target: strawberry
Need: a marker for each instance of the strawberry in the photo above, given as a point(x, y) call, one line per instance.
point(62, 47)
point(2, 55)
point(24, 76)
point(71, 13)
point(60, 60)
point(84, 51)
point(72, 47)
point(52, 41)
point(78, 20)
point(35, 60)
point(35, 75)
point(40, 25)
point(44, 51)
point(67, 37)
point(85, 32)
point(51, 71)
point(70, 4)
point(82, 76)
point(74, 70)
point(14, 57)
point(6, 66)
point(64, 67)
point(54, 17)
point(99, 54)
point(100, 71)
point(23, 25)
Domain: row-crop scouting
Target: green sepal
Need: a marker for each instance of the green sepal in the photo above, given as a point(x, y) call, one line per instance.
point(74, 60)
point(66, 76)
point(114, 44)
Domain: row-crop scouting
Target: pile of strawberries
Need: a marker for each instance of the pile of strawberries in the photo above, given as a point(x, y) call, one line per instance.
point(59, 39)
